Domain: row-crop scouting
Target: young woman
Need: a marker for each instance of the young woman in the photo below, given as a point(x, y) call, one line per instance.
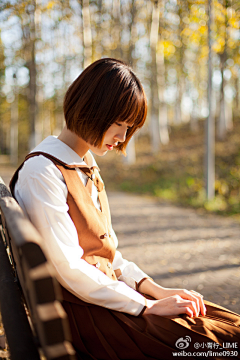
point(59, 188)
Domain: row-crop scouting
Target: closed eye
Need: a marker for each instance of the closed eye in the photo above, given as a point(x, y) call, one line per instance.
point(120, 124)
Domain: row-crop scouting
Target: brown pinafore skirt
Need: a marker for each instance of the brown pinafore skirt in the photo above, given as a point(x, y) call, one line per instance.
point(100, 333)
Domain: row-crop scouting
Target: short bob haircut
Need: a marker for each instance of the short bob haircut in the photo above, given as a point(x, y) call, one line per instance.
point(105, 92)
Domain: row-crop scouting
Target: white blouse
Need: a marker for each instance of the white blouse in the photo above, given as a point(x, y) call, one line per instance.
point(41, 192)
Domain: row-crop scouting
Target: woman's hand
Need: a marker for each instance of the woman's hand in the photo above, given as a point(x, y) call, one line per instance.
point(173, 305)
point(189, 295)
point(181, 299)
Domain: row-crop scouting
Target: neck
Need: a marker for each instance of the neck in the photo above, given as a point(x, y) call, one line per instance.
point(76, 143)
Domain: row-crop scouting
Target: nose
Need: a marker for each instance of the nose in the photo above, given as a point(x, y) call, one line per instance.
point(121, 135)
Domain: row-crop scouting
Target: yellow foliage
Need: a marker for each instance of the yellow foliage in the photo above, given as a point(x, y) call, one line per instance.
point(231, 44)
point(220, 18)
point(237, 59)
point(221, 187)
point(204, 51)
point(186, 32)
point(234, 22)
point(203, 29)
point(167, 47)
point(195, 38)
point(217, 47)
point(221, 41)
point(50, 5)
point(219, 44)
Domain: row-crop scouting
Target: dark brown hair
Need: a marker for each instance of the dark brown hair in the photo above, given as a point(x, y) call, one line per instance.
point(105, 92)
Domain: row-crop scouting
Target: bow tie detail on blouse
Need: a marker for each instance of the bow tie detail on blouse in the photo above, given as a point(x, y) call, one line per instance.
point(93, 177)
point(91, 172)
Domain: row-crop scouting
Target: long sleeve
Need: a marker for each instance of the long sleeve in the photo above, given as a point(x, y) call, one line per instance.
point(131, 274)
point(41, 192)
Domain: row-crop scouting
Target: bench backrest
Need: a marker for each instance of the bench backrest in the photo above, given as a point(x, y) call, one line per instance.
point(41, 291)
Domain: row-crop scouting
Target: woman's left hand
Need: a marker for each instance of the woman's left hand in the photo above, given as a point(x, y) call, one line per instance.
point(151, 288)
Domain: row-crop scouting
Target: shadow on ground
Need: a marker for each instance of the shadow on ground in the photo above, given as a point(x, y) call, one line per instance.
point(179, 247)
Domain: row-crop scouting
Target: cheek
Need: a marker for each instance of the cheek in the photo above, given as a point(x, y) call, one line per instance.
point(109, 134)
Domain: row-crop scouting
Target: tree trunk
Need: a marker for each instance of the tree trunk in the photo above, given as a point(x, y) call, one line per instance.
point(179, 67)
point(87, 34)
point(97, 43)
point(162, 111)
point(178, 109)
point(116, 29)
point(14, 127)
point(133, 33)
point(33, 76)
point(210, 124)
point(131, 153)
point(222, 129)
point(159, 122)
point(222, 121)
point(154, 106)
point(228, 115)
point(237, 102)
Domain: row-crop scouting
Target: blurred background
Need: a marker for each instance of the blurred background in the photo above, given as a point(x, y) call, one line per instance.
point(187, 55)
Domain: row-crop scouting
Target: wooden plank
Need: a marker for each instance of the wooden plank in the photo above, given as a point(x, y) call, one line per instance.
point(50, 311)
point(45, 285)
point(16, 325)
point(19, 227)
point(36, 276)
point(61, 351)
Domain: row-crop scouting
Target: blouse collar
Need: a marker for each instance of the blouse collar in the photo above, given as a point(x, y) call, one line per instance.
point(55, 147)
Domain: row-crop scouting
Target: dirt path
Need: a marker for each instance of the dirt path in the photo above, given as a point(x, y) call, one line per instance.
point(178, 247)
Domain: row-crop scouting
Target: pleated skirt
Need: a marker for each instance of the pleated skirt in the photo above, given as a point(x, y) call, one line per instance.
point(102, 334)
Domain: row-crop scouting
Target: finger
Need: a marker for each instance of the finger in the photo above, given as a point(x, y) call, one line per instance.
point(194, 307)
point(188, 311)
point(191, 305)
point(196, 300)
point(190, 296)
point(201, 303)
point(195, 292)
point(203, 309)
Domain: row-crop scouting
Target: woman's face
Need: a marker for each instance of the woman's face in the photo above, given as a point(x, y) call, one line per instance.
point(114, 135)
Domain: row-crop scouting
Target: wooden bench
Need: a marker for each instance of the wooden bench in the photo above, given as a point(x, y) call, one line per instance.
point(35, 323)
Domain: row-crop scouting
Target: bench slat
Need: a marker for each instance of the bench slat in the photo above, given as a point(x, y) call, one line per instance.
point(41, 290)
point(16, 325)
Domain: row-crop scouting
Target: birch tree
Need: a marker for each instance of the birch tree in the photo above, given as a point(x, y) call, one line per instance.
point(159, 126)
point(131, 153)
point(116, 48)
point(225, 118)
point(14, 125)
point(87, 34)
point(162, 107)
point(210, 133)
point(30, 47)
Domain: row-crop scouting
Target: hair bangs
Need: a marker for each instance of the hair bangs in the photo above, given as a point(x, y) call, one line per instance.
point(134, 114)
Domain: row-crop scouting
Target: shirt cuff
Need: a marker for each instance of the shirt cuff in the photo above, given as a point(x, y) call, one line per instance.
point(144, 308)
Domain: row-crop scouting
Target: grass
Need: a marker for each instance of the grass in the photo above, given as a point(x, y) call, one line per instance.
point(176, 172)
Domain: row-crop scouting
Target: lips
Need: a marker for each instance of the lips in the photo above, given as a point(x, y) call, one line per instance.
point(110, 147)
